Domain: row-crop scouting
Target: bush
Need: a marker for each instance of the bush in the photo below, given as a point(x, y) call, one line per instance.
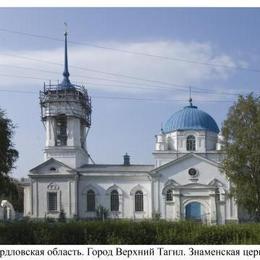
point(126, 232)
point(102, 213)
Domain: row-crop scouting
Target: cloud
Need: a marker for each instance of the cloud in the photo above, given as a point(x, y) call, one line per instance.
point(179, 72)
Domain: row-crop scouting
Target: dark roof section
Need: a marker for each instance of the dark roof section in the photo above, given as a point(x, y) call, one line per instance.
point(115, 168)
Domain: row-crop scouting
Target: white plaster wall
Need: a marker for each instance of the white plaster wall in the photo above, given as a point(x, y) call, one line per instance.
point(73, 131)
point(206, 196)
point(155, 191)
point(221, 212)
point(102, 183)
point(217, 157)
point(171, 141)
point(179, 172)
point(27, 200)
point(164, 157)
point(211, 141)
point(50, 132)
point(176, 141)
point(71, 156)
point(168, 156)
point(66, 196)
point(83, 132)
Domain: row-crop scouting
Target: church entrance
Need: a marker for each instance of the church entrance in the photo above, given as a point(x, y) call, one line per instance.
point(193, 211)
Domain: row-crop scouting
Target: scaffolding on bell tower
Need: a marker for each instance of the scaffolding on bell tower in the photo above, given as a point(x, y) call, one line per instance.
point(73, 101)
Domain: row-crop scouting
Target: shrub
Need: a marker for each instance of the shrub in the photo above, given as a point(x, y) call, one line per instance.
point(126, 232)
point(102, 213)
point(62, 216)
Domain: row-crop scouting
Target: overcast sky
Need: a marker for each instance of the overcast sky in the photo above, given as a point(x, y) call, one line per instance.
point(150, 56)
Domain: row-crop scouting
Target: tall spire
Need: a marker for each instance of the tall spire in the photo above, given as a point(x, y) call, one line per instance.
point(66, 82)
point(190, 99)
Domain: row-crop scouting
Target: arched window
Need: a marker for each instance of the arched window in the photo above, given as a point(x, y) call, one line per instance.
point(169, 195)
point(61, 130)
point(114, 200)
point(91, 201)
point(191, 143)
point(52, 201)
point(139, 201)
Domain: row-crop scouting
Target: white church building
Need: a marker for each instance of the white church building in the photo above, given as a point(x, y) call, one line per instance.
point(185, 181)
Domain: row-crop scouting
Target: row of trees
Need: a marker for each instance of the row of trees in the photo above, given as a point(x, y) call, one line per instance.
point(241, 131)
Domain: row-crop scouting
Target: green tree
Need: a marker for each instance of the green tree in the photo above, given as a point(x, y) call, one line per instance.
point(241, 132)
point(9, 188)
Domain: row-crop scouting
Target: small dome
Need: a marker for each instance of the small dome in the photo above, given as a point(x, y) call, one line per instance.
point(191, 118)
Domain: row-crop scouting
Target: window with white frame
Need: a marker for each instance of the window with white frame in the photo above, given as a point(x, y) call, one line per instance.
point(91, 200)
point(114, 200)
point(191, 143)
point(139, 201)
point(169, 195)
point(52, 201)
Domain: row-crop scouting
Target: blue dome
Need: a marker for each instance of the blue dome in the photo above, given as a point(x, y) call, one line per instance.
point(191, 118)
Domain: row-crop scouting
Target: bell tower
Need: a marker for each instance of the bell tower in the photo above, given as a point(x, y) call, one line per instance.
point(66, 114)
